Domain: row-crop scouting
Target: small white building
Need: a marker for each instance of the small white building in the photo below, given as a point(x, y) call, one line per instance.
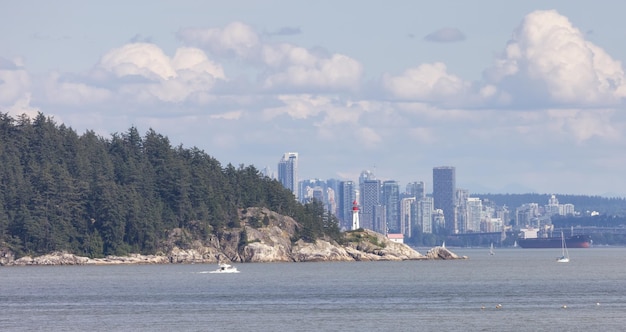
point(398, 238)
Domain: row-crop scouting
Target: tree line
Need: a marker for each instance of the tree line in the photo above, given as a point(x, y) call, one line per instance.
point(97, 196)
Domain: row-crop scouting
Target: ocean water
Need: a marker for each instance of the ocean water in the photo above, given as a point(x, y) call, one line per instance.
point(513, 290)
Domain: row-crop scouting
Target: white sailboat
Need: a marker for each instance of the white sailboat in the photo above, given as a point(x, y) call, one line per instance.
point(491, 252)
point(564, 253)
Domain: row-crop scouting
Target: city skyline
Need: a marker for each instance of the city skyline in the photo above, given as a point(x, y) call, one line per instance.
point(520, 97)
point(404, 215)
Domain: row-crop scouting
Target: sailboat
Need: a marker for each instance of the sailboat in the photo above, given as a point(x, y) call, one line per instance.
point(564, 253)
point(491, 250)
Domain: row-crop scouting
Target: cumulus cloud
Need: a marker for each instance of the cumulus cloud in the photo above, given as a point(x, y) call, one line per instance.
point(427, 82)
point(281, 66)
point(302, 70)
point(163, 78)
point(549, 60)
point(142, 59)
point(445, 35)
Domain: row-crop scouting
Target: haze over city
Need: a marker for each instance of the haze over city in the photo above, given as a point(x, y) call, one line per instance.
point(519, 97)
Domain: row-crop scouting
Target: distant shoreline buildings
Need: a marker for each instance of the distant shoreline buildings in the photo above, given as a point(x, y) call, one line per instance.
point(382, 207)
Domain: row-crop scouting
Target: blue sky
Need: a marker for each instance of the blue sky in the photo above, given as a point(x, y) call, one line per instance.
point(518, 96)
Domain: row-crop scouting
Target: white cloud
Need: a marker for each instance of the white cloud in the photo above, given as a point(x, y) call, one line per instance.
point(548, 58)
point(195, 60)
point(59, 91)
point(304, 71)
point(21, 106)
point(15, 82)
point(236, 39)
point(188, 73)
point(281, 66)
point(297, 106)
point(146, 60)
point(427, 82)
point(584, 124)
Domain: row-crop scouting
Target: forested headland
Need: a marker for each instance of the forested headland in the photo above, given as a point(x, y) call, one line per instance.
point(95, 196)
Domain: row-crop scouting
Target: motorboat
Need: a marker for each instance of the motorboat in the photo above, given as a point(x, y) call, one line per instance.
point(225, 268)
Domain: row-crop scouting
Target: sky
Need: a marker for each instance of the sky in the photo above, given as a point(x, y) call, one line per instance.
point(523, 96)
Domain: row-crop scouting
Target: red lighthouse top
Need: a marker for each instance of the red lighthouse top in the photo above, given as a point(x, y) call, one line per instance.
point(355, 206)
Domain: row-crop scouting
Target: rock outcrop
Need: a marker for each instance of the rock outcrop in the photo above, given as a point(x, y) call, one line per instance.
point(264, 236)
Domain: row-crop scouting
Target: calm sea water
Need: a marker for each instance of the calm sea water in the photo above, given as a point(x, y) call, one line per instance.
point(358, 296)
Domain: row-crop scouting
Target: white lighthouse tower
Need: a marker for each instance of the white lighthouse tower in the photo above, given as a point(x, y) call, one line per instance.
point(355, 216)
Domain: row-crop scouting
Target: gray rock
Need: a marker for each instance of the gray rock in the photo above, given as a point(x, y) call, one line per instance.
point(268, 238)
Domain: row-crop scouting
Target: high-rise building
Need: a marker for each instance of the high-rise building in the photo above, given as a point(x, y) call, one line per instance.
point(288, 172)
point(370, 197)
point(347, 195)
point(416, 189)
point(425, 214)
point(474, 214)
point(444, 188)
point(391, 201)
point(379, 219)
point(407, 216)
point(461, 199)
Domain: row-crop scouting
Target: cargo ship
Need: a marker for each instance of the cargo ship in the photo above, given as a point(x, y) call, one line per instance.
point(575, 241)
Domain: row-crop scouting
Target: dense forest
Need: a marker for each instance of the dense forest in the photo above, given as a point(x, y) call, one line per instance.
point(96, 196)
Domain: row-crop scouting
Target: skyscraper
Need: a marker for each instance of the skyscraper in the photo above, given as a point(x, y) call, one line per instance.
point(288, 172)
point(444, 189)
point(370, 197)
point(347, 195)
point(391, 201)
point(407, 216)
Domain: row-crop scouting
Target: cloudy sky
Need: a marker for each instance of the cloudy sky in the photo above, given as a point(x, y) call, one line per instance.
point(523, 96)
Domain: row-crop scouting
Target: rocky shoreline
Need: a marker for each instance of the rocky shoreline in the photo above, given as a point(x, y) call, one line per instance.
point(270, 243)
point(311, 254)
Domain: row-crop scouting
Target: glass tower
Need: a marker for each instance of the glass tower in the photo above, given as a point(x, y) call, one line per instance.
point(288, 172)
point(444, 189)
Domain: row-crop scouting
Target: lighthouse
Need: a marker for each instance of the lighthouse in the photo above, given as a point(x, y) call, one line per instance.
point(355, 216)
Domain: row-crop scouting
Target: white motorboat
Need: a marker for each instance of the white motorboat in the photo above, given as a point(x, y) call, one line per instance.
point(225, 268)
